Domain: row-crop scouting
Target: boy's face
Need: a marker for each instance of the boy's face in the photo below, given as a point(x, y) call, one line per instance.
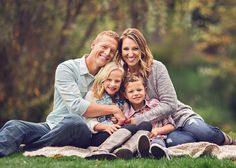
point(135, 93)
point(103, 50)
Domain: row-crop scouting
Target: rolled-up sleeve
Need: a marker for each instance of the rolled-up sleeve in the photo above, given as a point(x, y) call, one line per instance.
point(66, 84)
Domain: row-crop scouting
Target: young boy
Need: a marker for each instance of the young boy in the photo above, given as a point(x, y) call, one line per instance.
point(135, 93)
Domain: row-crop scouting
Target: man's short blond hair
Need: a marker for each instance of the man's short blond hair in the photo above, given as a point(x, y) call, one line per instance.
point(108, 33)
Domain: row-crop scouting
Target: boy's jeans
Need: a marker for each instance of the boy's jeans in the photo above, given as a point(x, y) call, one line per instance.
point(70, 131)
point(195, 130)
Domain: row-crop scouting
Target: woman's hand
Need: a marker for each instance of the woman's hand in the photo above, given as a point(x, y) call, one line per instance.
point(111, 128)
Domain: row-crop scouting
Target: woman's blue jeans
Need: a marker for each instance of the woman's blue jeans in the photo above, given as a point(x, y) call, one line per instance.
point(72, 130)
point(195, 130)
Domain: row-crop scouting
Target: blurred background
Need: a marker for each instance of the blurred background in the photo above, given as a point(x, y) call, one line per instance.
point(195, 39)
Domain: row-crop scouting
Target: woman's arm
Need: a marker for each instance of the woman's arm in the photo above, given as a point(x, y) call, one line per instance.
point(159, 86)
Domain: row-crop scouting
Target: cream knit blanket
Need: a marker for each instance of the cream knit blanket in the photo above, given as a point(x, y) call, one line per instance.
point(194, 150)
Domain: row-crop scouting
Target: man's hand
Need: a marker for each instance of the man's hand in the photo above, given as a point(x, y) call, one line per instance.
point(118, 114)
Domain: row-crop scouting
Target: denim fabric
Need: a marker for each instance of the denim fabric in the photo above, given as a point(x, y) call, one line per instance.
point(158, 140)
point(72, 130)
point(17, 132)
point(195, 130)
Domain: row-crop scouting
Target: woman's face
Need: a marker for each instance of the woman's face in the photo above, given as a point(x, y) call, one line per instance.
point(131, 52)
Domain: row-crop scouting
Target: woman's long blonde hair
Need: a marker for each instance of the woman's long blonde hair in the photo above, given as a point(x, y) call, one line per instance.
point(98, 89)
point(146, 55)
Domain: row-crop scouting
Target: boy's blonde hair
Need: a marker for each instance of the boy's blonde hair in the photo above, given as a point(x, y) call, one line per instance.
point(98, 88)
point(146, 55)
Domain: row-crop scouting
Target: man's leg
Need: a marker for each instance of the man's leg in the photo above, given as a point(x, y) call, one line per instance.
point(72, 130)
point(17, 132)
point(204, 132)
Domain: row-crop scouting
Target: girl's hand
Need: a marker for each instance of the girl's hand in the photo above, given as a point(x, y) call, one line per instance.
point(112, 128)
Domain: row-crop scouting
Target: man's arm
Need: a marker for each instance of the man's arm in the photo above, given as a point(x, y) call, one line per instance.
point(95, 110)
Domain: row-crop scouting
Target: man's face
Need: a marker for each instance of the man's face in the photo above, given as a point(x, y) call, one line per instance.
point(103, 50)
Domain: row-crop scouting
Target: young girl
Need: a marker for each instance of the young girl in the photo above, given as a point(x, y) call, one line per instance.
point(135, 93)
point(105, 90)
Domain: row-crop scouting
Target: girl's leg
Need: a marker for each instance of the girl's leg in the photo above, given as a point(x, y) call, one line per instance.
point(99, 138)
point(147, 126)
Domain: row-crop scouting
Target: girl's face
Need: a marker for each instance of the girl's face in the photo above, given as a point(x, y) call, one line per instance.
point(113, 82)
point(135, 93)
point(131, 52)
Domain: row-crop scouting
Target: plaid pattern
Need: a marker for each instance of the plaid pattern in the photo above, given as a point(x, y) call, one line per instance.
point(149, 104)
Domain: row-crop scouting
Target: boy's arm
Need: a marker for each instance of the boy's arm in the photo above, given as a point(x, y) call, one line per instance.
point(166, 129)
point(95, 110)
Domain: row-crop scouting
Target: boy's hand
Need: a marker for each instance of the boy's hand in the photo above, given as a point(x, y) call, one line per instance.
point(154, 132)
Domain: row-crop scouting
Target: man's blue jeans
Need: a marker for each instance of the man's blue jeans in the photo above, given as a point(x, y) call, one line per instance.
point(195, 130)
point(72, 130)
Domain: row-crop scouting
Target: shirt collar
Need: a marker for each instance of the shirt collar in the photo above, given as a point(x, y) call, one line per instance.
point(146, 104)
point(83, 67)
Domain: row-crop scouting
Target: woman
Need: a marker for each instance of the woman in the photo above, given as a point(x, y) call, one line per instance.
point(138, 59)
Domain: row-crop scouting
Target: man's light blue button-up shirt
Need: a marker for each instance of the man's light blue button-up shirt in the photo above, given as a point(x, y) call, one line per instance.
point(72, 82)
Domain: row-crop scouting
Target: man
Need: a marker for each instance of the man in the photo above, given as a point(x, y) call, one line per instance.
point(65, 125)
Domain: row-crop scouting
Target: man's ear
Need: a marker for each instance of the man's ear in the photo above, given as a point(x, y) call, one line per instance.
point(92, 45)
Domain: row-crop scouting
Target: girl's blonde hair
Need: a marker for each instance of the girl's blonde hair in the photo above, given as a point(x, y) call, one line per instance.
point(146, 55)
point(98, 88)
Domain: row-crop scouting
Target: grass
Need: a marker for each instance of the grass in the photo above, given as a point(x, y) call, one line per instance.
point(18, 161)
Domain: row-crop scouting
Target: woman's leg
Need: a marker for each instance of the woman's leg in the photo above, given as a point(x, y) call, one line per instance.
point(179, 136)
point(204, 132)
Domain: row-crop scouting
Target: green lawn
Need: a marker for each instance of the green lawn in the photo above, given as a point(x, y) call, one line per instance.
point(18, 161)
